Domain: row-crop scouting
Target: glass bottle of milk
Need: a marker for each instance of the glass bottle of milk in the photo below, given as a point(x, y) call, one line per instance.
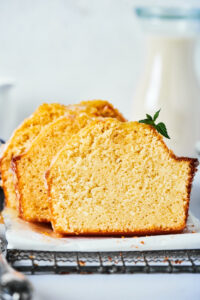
point(169, 79)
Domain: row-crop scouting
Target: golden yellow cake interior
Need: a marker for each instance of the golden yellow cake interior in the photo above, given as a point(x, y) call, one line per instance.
point(24, 135)
point(31, 166)
point(119, 178)
point(88, 172)
point(21, 140)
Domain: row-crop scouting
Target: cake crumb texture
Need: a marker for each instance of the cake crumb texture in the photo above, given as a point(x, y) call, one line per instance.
point(31, 127)
point(20, 141)
point(30, 167)
point(119, 178)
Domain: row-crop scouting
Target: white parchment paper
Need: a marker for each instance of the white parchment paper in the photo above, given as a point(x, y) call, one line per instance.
point(22, 235)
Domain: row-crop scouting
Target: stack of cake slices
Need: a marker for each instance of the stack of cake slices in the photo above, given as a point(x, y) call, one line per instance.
point(87, 171)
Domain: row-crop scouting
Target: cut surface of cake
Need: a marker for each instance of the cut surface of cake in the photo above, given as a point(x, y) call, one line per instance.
point(115, 178)
point(21, 140)
point(24, 135)
point(31, 166)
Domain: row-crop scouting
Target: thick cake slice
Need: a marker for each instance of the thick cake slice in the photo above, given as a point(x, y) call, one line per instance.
point(30, 167)
point(119, 178)
point(24, 135)
point(21, 140)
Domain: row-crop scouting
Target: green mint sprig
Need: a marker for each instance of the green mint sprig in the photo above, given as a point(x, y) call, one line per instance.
point(160, 127)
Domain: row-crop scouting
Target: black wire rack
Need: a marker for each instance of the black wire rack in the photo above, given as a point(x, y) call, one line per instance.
point(42, 262)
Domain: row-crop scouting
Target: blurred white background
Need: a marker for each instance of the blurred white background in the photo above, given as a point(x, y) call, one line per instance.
point(69, 50)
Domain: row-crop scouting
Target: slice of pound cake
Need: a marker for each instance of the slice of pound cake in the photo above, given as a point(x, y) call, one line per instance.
point(21, 140)
point(30, 167)
point(115, 178)
point(24, 135)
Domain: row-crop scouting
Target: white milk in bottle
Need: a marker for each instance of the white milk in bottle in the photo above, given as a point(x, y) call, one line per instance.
point(168, 81)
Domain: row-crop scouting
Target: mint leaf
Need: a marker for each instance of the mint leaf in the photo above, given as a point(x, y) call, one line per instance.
point(146, 121)
point(156, 115)
point(149, 117)
point(161, 128)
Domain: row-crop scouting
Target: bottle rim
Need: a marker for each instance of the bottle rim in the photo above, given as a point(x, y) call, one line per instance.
point(168, 13)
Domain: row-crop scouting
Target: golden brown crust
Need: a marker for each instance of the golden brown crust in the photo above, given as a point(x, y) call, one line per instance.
point(105, 108)
point(122, 233)
point(193, 168)
point(17, 188)
point(49, 195)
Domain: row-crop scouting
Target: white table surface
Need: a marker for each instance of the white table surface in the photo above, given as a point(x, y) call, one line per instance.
point(117, 287)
